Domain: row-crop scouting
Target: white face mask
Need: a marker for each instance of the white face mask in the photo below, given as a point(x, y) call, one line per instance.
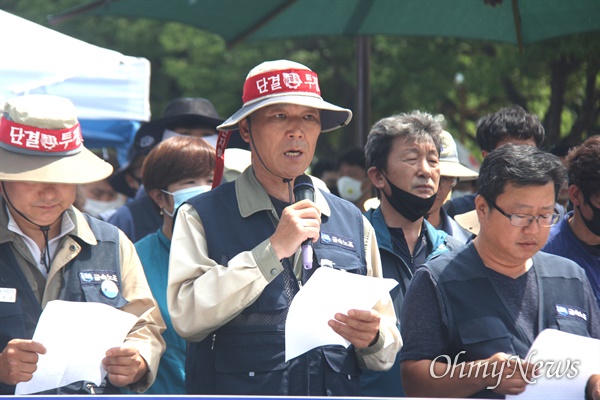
point(182, 195)
point(97, 207)
point(349, 188)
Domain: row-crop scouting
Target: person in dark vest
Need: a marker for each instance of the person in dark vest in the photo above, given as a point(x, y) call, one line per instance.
point(235, 262)
point(51, 251)
point(577, 235)
point(486, 302)
point(185, 116)
point(403, 164)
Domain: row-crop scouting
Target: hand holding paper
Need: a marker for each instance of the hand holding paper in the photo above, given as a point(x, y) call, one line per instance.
point(124, 365)
point(359, 327)
point(75, 345)
point(329, 293)
point(567, 361)
point(18, 360)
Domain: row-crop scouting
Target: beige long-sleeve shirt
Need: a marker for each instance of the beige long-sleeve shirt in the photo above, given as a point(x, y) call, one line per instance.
point(203, 296)
point(146, 334)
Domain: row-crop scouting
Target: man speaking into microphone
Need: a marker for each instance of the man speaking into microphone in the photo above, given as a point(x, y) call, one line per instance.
point(236, 260)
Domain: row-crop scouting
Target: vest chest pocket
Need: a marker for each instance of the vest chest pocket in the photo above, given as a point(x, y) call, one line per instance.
point(93, 293)
point(250, 360)
point(573, 325)
point(482, 337)
point(12, 323)
point(339, 258)
point(343, 373)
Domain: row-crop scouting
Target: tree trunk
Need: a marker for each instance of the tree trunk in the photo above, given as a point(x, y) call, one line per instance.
point(590, 110)
point(559, 74)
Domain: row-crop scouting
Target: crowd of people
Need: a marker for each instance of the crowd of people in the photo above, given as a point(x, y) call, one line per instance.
point(208, 247)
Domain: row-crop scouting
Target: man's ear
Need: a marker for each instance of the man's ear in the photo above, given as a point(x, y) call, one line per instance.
point(244, 130)
point(481, 206)
point(575, 195)
point(376, 177)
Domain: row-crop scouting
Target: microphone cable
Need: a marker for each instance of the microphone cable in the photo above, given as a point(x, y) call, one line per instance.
point(46, 257)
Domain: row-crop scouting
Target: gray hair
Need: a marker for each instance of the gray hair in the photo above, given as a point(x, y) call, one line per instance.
point(416, 126)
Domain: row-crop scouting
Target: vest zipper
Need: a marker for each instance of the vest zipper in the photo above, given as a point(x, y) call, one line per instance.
point(214, 338)
point(90, 387)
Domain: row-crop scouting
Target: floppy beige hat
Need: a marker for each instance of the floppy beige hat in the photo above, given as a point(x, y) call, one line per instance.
point(278, 82)
point(41, 141)
point(468, 221)
point(449, 163)
point(284, 81)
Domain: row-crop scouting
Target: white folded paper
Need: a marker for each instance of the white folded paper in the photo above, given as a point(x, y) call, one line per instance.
point(327, 292)
point(76, 337)
point(568, 361)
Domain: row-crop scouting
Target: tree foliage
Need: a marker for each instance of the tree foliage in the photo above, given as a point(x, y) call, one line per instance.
point(463, 80)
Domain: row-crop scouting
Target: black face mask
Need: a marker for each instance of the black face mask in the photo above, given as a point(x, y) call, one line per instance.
point(592, 224)
point(407, 204)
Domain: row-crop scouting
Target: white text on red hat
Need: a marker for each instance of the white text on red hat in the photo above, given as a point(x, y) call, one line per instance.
point(281, 82)
point(37, 139)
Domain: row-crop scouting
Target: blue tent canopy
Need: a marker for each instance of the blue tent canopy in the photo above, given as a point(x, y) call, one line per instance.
point(110, 91)
point(98, 133)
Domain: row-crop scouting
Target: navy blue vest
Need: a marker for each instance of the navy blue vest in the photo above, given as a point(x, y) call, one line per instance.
point(479, 322)
point(81, 282)
point(145, 218)
point(247, 355)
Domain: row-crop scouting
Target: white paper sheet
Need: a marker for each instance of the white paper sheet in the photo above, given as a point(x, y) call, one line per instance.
point(571, 355)
point(76, 336)
point(327, 292)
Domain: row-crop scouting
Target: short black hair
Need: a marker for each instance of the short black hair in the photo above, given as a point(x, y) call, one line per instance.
point(584, 167)
point(353, 156)
point(519, 165)
point(322, 166)
point(508, 122)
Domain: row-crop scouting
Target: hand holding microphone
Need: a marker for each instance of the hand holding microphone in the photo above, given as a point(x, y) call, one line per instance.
point(304, 190)
point(299, 221)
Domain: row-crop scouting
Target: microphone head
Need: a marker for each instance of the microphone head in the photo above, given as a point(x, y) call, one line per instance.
point(303, 188)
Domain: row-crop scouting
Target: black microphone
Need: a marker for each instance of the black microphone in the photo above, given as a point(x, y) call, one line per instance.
point(304, 189)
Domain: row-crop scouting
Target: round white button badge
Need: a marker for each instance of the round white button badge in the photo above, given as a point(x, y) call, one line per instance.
point(109, 289)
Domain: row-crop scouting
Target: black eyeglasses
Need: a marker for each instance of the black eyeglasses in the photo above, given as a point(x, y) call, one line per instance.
point(545, 220)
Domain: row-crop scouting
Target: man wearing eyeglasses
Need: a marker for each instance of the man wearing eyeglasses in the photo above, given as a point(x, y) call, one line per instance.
point(486, 302)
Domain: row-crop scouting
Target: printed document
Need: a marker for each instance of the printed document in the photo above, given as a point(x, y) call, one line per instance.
point(76, 336)
point(568, 361)
point(327, 292)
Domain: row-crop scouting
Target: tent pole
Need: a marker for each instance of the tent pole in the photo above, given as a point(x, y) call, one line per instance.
point(363, 93)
